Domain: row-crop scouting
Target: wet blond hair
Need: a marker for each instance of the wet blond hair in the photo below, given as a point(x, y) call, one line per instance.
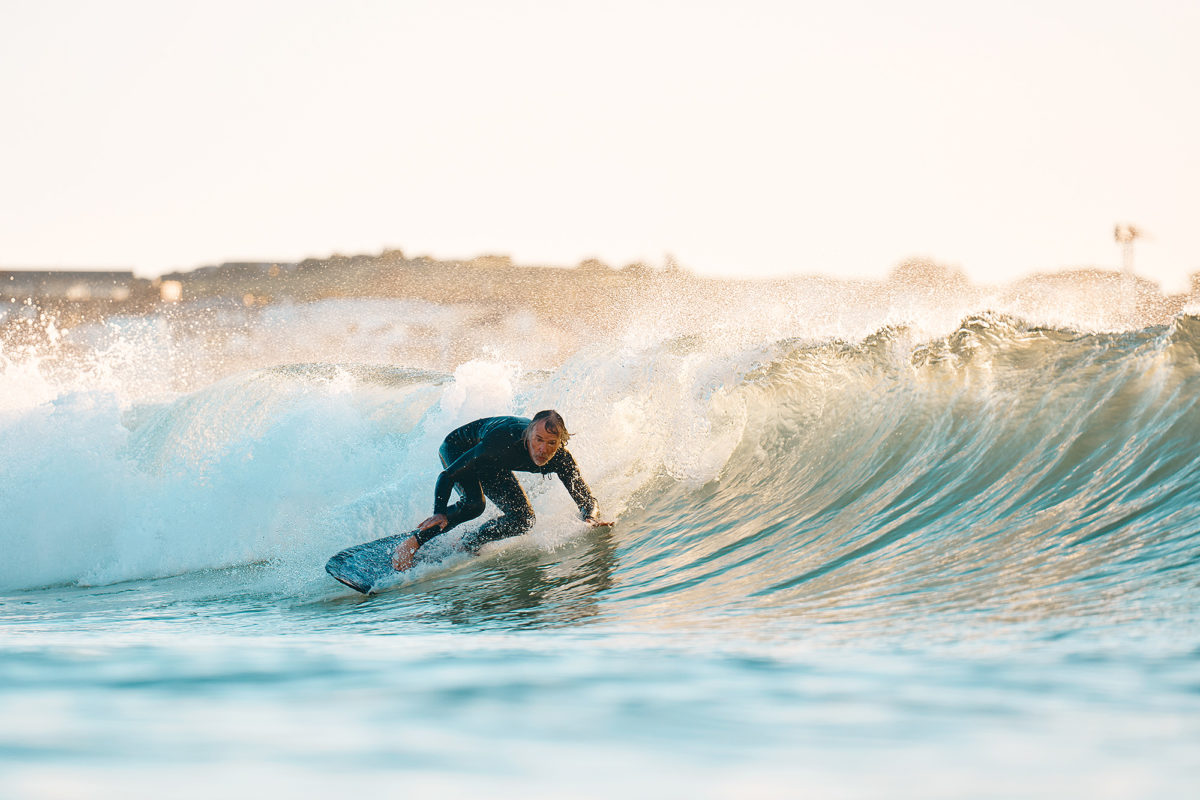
point(554, 424)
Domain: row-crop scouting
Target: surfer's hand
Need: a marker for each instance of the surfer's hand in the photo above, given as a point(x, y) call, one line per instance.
point(404, 554)
point(437, 519)
point(598, 523)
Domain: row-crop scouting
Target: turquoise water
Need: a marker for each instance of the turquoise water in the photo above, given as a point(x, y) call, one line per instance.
point(956, 557)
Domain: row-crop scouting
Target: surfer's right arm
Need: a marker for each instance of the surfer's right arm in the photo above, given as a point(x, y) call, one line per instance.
point(446, 516)
point(451, 475)
point(441, 498)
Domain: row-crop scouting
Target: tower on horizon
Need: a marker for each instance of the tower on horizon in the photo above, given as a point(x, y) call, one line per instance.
point(1125, 234)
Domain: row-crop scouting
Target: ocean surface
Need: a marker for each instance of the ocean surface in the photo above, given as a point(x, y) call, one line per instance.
point(912, 547)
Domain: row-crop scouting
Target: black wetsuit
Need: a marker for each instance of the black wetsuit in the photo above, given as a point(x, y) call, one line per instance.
point(480, 458)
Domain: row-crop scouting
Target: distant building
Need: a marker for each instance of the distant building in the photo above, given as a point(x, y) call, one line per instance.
point(74, 285)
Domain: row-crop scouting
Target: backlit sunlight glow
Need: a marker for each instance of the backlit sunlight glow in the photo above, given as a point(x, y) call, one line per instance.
point(751, 138)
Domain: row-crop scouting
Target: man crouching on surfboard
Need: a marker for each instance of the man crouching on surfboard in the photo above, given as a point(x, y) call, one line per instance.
point(479, 460)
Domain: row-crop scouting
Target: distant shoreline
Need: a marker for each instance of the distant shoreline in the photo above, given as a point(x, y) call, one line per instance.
point(553, 293)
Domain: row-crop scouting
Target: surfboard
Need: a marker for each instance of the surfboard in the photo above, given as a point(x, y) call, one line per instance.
point(362, 566)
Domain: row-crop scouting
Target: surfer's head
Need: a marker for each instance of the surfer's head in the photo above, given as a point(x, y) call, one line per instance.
point(544, 435)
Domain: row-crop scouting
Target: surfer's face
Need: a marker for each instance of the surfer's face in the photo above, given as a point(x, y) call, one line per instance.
point(542, 444)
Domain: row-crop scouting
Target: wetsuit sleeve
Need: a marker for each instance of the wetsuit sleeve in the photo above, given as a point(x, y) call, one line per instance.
point(568, 473)
point(451, 475)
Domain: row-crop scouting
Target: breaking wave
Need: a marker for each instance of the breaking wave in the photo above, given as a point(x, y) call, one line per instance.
point(1002, 471)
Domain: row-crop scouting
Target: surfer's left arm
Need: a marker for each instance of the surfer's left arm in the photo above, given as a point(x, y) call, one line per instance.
point(568, 473)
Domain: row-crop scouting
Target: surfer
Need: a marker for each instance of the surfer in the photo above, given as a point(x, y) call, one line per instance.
point(479, 460)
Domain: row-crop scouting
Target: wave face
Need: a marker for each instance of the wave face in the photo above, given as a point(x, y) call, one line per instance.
point(1005, 473)
point(998, 472)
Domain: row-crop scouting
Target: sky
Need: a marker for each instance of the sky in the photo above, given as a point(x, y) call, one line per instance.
point(752, 137)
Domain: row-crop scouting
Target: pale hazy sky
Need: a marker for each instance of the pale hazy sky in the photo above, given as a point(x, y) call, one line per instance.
point(744, 137)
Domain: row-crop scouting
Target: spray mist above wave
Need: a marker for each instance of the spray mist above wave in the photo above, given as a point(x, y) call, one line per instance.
point(168, 349)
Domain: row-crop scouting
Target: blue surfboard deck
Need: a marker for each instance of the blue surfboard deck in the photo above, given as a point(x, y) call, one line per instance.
point(363, 566)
